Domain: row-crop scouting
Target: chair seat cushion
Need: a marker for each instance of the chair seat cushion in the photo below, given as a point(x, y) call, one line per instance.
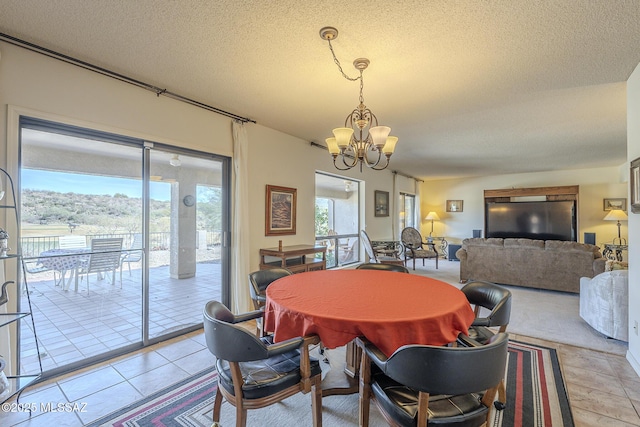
point(481, 334)
point(422, 253)
point(401, 403)
point(390, 260)
point(266, 377)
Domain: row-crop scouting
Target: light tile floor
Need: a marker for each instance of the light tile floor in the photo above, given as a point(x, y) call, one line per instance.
point(72, 325)
point(603, 389)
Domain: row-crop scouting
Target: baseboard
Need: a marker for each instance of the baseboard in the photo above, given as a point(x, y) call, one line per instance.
point(635, 364)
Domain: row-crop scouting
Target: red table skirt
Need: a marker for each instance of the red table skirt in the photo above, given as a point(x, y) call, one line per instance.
point(388, 308)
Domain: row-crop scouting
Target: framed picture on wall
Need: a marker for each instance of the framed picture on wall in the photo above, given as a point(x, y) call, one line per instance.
point(611, 204)
point(381, 203)
point(280, 215)
point(454, 205)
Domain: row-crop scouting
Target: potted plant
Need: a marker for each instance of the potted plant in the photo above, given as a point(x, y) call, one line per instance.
point(4, 243)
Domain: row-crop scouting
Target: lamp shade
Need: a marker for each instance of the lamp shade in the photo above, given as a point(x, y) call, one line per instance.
point(432, 216)
point(343, 136)
point(379, 135)
point(332, 145)
point(616, 215)
point(390, 145)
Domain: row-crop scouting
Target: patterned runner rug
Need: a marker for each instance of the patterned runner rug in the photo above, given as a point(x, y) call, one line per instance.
point(536, 396)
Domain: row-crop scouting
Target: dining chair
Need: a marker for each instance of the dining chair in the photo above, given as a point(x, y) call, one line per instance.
point(72, 242)
point(135, 254)
point(253, 372)
point(497, 300)
point(373, 257)
point(258, 283)
point(414, 247)
point(104, 258)
point(348, 253)
point(420, 385)
point(383, 267)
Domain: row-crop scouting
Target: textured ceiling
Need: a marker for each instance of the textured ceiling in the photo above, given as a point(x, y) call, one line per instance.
point(469, 87)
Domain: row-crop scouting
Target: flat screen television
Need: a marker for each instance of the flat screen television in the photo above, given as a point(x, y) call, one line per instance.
point(553, 220)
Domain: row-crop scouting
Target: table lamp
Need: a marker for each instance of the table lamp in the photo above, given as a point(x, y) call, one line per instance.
point(431, 216)
point(617, 215)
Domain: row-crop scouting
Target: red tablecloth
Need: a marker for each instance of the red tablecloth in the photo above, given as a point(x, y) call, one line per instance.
point(390, 309)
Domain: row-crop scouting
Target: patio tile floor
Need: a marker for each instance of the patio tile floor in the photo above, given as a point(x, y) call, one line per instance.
point(72, 326)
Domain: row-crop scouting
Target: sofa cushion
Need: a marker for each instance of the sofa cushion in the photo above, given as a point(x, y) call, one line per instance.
point(524, 243)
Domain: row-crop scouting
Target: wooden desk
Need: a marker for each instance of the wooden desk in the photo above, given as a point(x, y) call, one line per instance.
point(390, 309)
point(294, 258)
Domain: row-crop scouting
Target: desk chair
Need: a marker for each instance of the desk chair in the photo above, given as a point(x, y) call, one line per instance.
point(253, 372)
point(420, 385)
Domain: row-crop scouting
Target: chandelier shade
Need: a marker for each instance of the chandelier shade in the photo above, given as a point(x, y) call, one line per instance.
point(362, 141)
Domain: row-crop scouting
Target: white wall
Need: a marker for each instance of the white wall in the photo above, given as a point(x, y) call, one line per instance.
point(594, 185)
point(279, 159)
point(633, 152)
point(52, 89)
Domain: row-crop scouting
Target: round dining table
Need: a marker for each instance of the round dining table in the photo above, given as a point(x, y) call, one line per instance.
point(390, 309)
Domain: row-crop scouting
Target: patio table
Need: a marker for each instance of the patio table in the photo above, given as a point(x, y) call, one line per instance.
point(64, 260)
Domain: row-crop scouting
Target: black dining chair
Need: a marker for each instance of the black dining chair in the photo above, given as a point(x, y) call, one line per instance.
point(258, 283)
point(383, 267)
point(253, 372)
point(497, 300)
point(420, 385)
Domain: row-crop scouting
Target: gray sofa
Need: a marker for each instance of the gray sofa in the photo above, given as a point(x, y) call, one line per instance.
point(551, 264)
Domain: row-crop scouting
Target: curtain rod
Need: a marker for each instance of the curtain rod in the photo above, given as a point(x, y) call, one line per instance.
point(87, 66)
point(407, 176)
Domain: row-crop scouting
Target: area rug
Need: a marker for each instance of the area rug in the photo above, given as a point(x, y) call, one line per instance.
point(536, 396)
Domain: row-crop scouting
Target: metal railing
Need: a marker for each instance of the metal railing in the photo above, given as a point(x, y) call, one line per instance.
point(158, 241)
point(342, 249)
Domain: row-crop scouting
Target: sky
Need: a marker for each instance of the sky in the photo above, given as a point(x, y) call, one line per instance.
point(60, 182)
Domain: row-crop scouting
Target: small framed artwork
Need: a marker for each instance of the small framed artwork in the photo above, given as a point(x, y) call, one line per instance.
point(611, 204)
point(280, 215)
point(454, 205)
point(381, 203)
point(634, 181)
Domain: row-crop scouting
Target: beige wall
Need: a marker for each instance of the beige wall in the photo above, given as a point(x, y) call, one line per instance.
point(58, 91)
point(51, 89)
point(595, 185)
point(633, 152)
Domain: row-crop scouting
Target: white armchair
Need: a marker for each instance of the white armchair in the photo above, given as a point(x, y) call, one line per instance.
point(604, 303)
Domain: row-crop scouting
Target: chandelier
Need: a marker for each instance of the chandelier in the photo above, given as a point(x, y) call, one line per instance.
point(361, 136)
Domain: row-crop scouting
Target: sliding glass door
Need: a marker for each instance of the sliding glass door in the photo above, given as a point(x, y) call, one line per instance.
point(185, 238)
point(122, 241)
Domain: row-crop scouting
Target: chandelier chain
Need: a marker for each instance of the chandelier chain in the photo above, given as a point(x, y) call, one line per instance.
point(335, 59)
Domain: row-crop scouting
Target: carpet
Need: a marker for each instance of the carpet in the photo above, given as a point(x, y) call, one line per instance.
point(536, 396)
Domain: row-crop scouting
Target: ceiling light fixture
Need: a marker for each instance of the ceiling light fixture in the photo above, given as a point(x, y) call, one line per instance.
point(361, 133)
point(175, 160)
